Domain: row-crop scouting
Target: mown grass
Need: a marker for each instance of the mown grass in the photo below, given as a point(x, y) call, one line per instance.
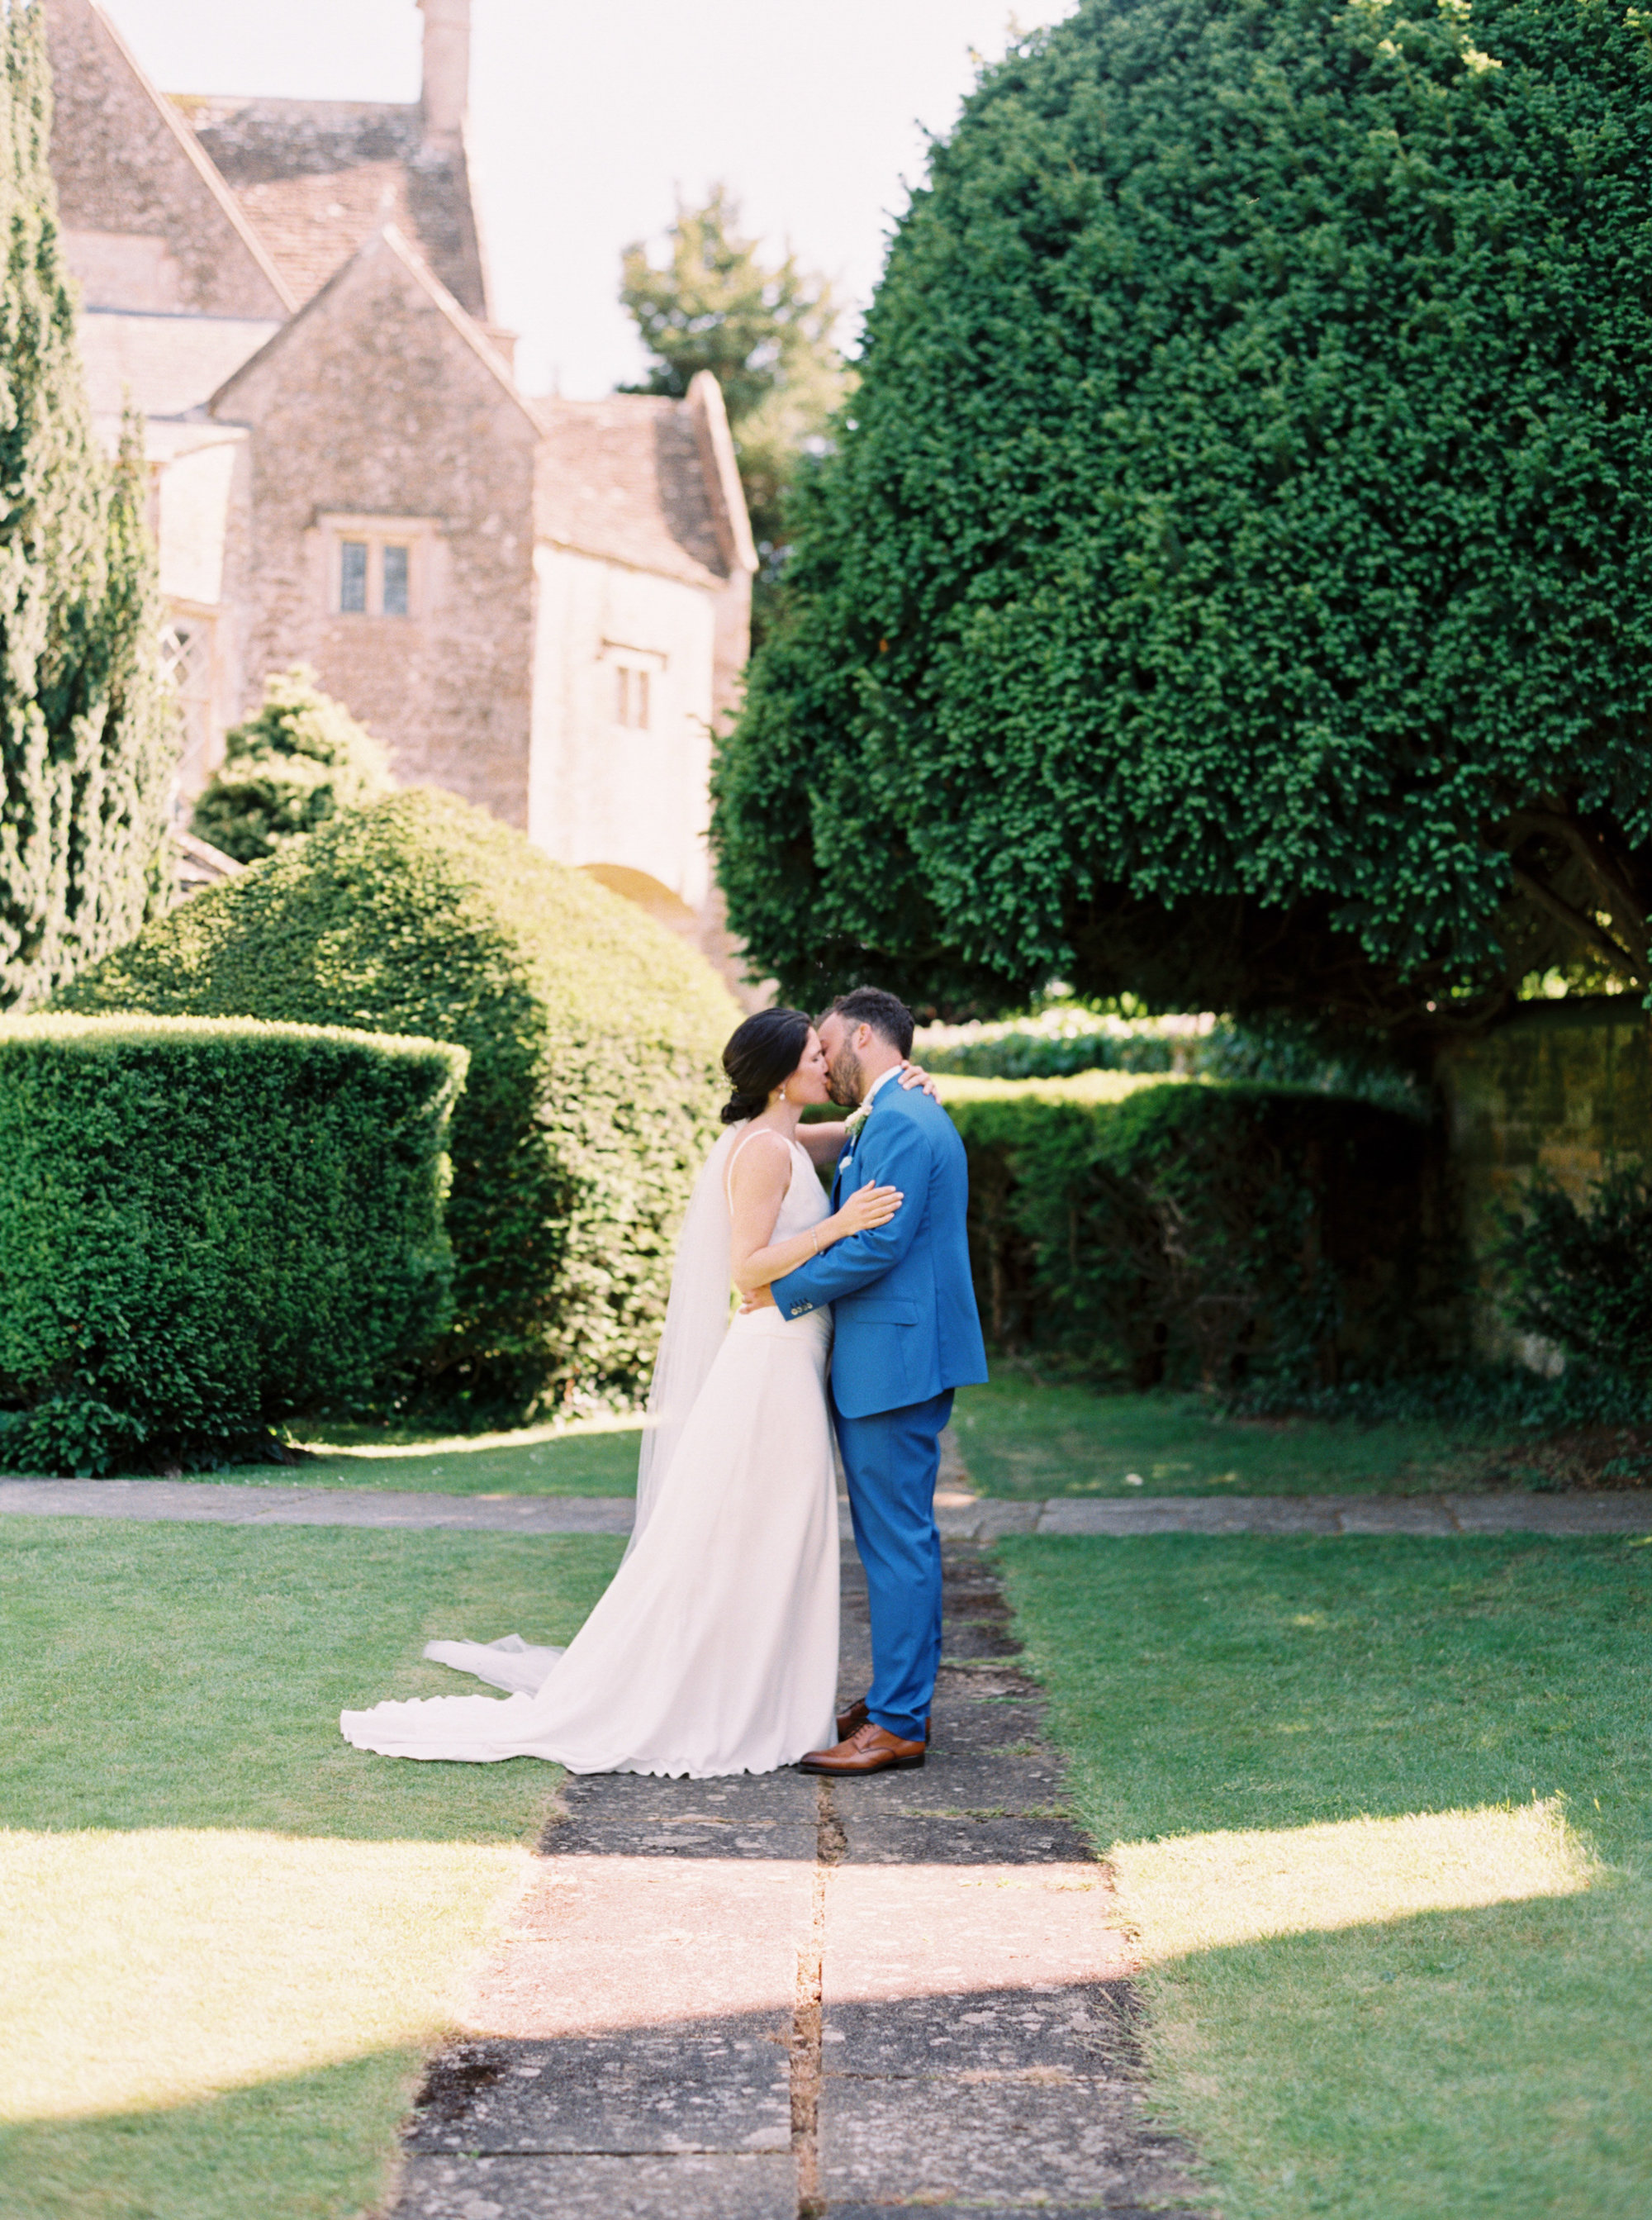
point(233, 1937)
point(1382, 1814)
point(597, 1457)
point(1022, 1436)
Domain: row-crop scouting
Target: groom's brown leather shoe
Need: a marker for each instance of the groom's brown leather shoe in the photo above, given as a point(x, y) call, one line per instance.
point(869, 1750)
point(855, 1715)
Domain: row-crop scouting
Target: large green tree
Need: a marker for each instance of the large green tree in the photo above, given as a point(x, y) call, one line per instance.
point(1236, 583)
point(763, 329)
point(87, 742)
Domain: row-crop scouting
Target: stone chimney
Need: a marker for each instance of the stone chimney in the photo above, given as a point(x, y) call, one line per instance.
point(446, 69)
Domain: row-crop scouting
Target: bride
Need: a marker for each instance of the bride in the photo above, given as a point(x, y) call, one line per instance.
point(714, 1648)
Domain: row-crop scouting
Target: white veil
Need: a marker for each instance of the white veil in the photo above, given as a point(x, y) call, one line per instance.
point(696, 1318)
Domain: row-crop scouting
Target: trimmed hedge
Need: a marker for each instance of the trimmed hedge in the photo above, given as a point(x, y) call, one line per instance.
point(594, 1038)
point(207, 1227)
point(1160, 1230)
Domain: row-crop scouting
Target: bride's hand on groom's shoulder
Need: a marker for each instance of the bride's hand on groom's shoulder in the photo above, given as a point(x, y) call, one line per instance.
point(914, 1074)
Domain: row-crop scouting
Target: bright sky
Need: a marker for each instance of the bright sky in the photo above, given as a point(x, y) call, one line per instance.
point(587, 122)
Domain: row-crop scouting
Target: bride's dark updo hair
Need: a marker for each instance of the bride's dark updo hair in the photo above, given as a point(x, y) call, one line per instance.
point(761, 1055)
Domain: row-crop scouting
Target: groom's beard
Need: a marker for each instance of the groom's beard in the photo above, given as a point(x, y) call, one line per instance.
point(844, 1082)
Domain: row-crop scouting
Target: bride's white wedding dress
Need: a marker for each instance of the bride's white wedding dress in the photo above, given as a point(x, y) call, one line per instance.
point(714, 1648)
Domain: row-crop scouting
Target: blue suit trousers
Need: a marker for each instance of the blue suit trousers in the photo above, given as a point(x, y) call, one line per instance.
point(890, 1460)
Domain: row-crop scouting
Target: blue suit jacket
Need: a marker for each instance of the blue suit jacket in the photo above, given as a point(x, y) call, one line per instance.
point(905, 1324)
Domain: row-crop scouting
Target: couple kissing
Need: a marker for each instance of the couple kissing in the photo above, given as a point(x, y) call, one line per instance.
point(714, 1648)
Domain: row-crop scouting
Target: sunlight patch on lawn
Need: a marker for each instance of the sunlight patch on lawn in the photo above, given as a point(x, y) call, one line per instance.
point(518, 1438)
point(1193, 1892)
point(154, 1968)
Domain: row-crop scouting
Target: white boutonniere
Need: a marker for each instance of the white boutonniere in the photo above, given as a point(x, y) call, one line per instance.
point(854, 1121)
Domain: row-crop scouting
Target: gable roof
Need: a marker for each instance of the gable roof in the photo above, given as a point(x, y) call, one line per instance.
point(387, 245)
point(624, 478)
point(125, 167)
point(316, 179)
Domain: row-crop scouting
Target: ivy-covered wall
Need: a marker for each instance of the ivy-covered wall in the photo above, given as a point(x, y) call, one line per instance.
point(1563, 1087)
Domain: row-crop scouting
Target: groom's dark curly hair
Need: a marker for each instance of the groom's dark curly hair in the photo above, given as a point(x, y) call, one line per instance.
point(888, 1016)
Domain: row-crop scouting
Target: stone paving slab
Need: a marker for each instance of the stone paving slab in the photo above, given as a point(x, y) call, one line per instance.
point(1513, 1511)
point(717, 2087)
point(1070, 2029)
point(1034, 2209)
point(926, 1838)
point(612, 1943)
point(1509, 1511)
point(225, 1503)
point(895, 1933)
point(638, 2187)
point(1520, 1511)
point(944, 2137)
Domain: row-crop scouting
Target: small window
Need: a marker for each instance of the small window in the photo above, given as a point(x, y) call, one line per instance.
point(396, 582)
point(379, 566)
point(353, 577)
point(632, 698)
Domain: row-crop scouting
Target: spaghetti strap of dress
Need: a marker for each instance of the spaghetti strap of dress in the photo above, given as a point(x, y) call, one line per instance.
point(728, 1168)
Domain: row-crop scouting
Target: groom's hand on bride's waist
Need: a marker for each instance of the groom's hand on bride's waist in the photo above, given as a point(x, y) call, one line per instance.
point(760, 1299)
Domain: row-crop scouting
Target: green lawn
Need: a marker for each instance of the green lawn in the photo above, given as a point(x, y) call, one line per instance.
point(231, 1937)
point(1381, 1815)
point(1020, 1437)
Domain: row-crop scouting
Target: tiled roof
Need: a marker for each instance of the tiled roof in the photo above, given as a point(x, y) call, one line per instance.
point(167, 364)
point(624, 478)
point(316, 179)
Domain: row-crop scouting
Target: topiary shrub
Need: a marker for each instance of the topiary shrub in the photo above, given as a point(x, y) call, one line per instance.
point(300, 761)
point(1158, 1231)
point(206, 1227)
point(594, 1036)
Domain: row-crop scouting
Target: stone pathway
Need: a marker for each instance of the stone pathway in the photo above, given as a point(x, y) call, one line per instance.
point(962, 1516)
point(756, 1999)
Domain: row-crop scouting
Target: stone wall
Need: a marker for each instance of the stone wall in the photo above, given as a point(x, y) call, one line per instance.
point(1564, 1088)
point(612, 792)
point(375, 414)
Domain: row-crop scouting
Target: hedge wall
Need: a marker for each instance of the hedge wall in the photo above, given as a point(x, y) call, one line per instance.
point(207, 1227)
point(595, 1038)
point(1157, 1230)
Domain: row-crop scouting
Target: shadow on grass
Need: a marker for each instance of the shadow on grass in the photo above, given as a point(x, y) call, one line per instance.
point(192, 1676)
point(1480, 2063)
point(307, 2146)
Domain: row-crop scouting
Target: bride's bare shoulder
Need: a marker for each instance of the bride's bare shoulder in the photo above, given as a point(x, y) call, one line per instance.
point(753, 1166)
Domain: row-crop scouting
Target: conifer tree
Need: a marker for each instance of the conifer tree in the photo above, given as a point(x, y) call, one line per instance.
point(765, 333)
point(87, 742)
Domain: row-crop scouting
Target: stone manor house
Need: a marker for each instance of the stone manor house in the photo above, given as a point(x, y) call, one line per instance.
point(541, 604)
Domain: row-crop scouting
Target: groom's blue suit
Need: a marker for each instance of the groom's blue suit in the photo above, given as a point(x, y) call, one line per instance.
point(906, 1333)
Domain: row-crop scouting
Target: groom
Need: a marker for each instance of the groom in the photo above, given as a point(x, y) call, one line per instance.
point(906, 1333)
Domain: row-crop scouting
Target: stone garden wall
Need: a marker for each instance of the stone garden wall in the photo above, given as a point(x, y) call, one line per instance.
point(1565, 1089)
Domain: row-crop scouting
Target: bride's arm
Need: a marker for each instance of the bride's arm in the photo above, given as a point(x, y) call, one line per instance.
point(823, 1144)
point(761, 1177)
